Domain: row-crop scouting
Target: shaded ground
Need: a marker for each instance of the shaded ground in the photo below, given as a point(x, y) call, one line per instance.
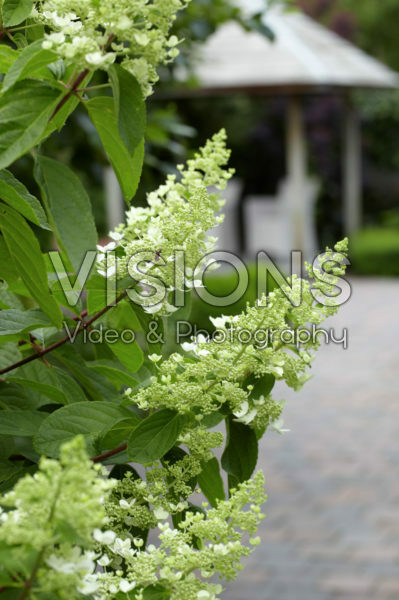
point(332, 526)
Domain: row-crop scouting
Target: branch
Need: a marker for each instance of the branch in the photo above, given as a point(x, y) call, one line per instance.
point(64, 340)
point(79, 79)
point(110, 453)
point(29, 583)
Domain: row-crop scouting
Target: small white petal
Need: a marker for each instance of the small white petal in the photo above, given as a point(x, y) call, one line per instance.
point(104, 561)
point(248, 418)
point(160, 513)
point(117, 237)
point(188, 347)
point(126, 586)
point(155, 358)
point(242, 410)
point(104, 537)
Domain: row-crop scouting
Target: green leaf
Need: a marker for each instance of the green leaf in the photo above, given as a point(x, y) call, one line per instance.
point(122, 316)
point(41, 378)
point(67, 289)
point(96, 288)
point(129, 354)
point(17, 560)
point(8, 299)
point(25, 251)
point(71, 389)
point(18, 321)
point(66, 533)
point(101, 292)
point(15, 397)
point(24, 423)
point(70, 210)
point(120, 471)
point(8, 471)
point(16, 11)
point(34, 30)
point(211, 482)
point(111, 371)
point(7, 58)
point(95, 301)
point(127, 165)
point(14, 193)
point(20, 40)
point(118, 433)
point(31, 59)
point(130, 107)
point(157, 434)
point(7, 269)
point(156, 592)
point(9, 354)
point(241, 453)
point(212, 420)
point(6, 446)
point(83, 418)
point(95, 384)
point(153, 334)
point(24, 112)
point(262, 386)
point(8, 485)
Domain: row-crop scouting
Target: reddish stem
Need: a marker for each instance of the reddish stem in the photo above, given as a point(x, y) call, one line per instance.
point(110, 453)
point(81, 77)
point(64, 340)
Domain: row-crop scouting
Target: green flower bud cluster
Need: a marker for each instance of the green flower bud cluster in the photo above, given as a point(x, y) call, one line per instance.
point(187, 556)
point(50, 517)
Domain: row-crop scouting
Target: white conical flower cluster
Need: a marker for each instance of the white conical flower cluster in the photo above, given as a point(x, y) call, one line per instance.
point(92, 34)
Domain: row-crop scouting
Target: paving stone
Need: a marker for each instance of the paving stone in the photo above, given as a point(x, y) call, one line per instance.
point(360, 585)
point(389, 588)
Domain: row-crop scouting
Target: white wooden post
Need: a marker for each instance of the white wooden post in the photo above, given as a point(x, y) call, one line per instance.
point(114, 204)
point(352, 171)
point(297, 170)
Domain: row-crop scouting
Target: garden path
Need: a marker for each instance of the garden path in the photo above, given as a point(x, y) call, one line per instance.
point(332, 526)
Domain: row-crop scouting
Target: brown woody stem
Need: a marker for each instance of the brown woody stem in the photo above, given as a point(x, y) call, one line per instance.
point(64, 340)
point(110, 453)
point(79, 79)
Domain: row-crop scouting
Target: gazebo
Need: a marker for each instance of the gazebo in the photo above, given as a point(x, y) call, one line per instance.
point(305, 58)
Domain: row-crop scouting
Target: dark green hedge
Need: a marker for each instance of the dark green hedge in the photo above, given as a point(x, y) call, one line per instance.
point(222, 283)
point(375, 251)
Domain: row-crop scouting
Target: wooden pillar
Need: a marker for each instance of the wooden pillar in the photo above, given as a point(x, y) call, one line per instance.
point(297, 170)
point(352, 171)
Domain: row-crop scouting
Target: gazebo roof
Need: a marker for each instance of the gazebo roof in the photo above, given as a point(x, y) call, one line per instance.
point(304, 57)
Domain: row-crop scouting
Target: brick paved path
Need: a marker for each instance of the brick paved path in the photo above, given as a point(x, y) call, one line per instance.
point(332, 526)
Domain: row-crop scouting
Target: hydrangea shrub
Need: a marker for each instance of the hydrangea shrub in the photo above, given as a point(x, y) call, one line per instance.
point(111, 485)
